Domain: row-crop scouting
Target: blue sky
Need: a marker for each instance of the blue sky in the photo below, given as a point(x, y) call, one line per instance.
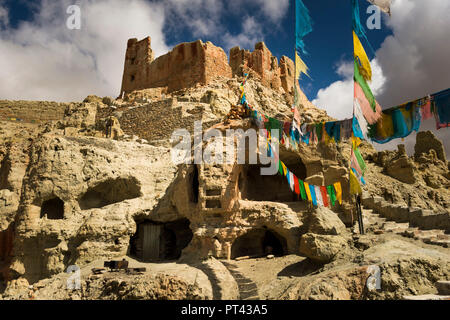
point(327, 44)
point(409, 63)
point(331, 41)
point(43, 60)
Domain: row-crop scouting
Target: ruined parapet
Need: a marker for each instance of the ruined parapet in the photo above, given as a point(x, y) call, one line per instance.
point(32, 111)
point(401, 167)
point(262, 63)
point(427, 141)
point(185, 66)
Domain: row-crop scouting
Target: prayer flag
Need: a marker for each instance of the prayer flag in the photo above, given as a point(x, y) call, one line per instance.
point(361, 58)
point(303, 25)
point(338, 189)
point(302, 190)
point(313, 195)
point(318, 194)
point(323, 190)
point(308, 192)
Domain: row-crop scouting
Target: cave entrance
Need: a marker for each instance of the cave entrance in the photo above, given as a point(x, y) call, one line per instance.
point(109, 192)
point(53, 209)
point(256, 187)
point(160, 241)
point(258, 242)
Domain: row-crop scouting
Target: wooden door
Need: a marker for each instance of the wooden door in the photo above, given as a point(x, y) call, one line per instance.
point(151, 235)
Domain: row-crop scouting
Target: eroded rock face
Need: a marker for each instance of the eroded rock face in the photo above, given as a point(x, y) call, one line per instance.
point(426, 141)
point(322, 248)
point(401, 167)
point(80, 198)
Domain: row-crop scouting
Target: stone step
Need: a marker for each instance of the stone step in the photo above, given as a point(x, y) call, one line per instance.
point(442, 243)
point(443, 287)
point(426, 297)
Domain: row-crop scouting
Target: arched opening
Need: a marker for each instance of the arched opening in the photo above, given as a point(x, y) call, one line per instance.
point(295, 164)
point(53, 209)
point(259, 242)
point(257, 187)
point(109, 192)
point(194, 185)
point(160, 241)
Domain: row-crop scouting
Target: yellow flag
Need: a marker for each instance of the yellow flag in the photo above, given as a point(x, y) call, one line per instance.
point(355, 187)
point(300, 67)
point(338, 188)
point(308, 192)
point(284, 168)
point(356, 142)
point(361, 58)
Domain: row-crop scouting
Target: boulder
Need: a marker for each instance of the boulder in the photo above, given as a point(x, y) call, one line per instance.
point(326, 222)
point(321, 248)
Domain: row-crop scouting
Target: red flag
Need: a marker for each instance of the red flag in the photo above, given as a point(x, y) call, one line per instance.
point(324, 192)
point(296, 185)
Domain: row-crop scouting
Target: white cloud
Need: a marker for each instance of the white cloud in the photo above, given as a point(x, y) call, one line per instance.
point(44, 60)
point(252, 32)
point(337, 98)
point(271, 9)
point(202, 17)
point(415, 58)
point(274, 10)
point(412, 63)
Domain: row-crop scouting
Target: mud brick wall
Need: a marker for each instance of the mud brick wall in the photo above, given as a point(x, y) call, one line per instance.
point(185, 66)
point(157, 120)
point(32, 111)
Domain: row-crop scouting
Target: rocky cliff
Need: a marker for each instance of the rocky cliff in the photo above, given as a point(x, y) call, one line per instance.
point(96, 180)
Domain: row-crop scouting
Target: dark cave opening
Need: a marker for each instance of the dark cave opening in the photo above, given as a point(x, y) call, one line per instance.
point(53, 209)
point(109, 192)
point(160, 241)
point(259, 242)
point(195, 185)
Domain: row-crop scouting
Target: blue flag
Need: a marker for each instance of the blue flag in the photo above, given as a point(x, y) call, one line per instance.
point(357, 26)
point(303, 25)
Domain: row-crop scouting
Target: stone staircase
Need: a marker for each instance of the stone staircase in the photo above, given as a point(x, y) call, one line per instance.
point(443, 288)
point(247, 288)
point(380, 216)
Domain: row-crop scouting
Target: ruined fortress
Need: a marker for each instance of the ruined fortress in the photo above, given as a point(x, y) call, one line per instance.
point(198, 63)
point(71, 194)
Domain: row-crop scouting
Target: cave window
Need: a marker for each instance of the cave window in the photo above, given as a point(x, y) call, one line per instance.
point(110, 192)
point(160, 241)
point(132, 77)
point(258, 242)
point(53, 209)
